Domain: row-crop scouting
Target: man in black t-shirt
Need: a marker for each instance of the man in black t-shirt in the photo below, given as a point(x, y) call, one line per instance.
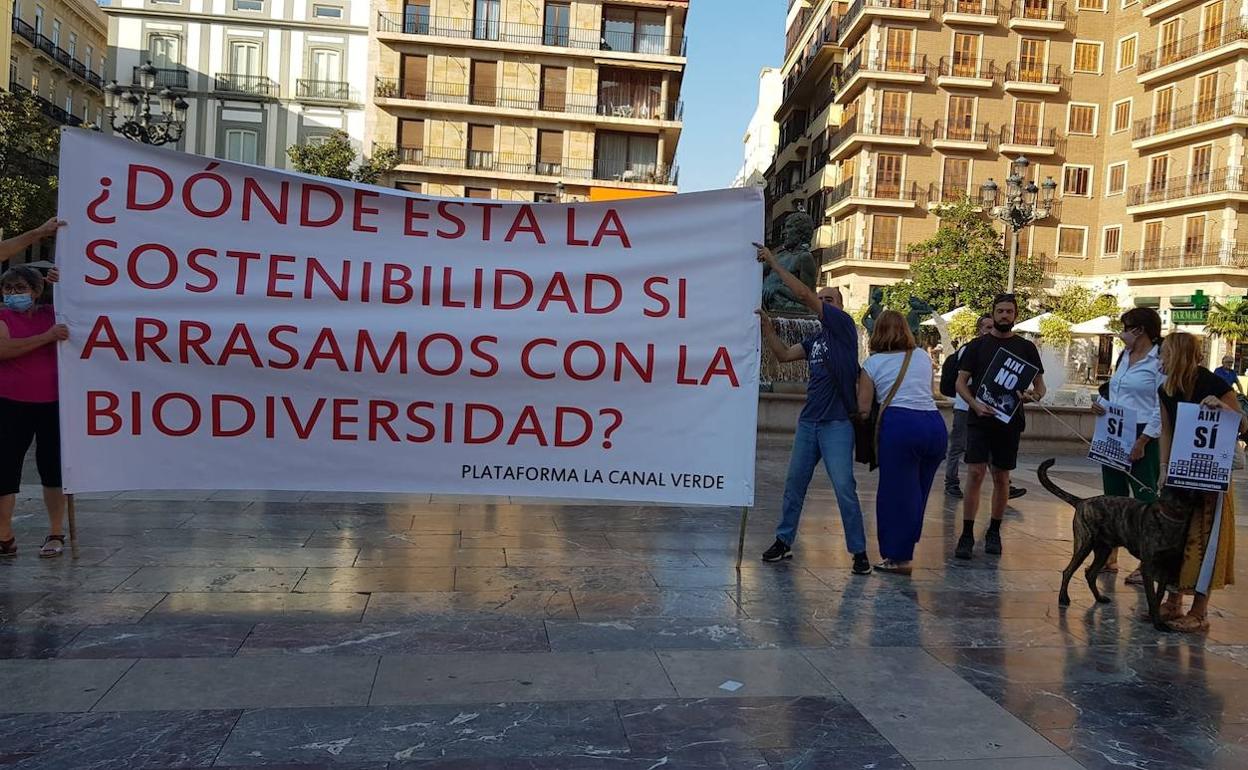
point(989, 441)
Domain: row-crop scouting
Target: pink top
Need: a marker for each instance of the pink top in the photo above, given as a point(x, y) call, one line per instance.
point(30, 378)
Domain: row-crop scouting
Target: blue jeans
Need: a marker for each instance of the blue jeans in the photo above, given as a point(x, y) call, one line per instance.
point(912, 444)
point(833, 441)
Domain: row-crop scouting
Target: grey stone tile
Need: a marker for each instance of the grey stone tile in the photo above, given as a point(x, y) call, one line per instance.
point(585, 557)
point(934, 632)
point(431, 635)
point(13, 603)
point(559, 541)
point(431, 557)
point(374, 579)
point(255, 608)
point(36, 641)
point(469, 604)
point(697, 603)
point(705, 758)
point(505, 523)
point(61, 576)
point(743, 674)
point(152, 640)
point(155, 556)
point(516, 678)
point(766, 577)
point(43, 686)
point(89, 609)
point(229, 579)
point(116, 741)
point(401, 733)
point(927, 712)
point(551, 578)
point(679, 633)
point(1022, 763)
point(240, 683)
point(351, 538)
point(843, 758)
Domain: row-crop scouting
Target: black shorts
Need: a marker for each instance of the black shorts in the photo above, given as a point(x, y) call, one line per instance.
point(992, 442)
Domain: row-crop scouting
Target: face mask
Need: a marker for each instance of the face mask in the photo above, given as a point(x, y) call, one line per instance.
point(18, 302)
point(1127, 337)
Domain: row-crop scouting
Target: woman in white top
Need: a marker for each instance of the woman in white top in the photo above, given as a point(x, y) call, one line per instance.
point(912, 436)
point(1134, 385)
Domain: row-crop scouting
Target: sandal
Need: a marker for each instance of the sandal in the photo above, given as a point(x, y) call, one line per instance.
point(1135, 579)
point(894, 567)
point(1165, 613)
point(8, 547)
point(51, 551)
point(1189, 624)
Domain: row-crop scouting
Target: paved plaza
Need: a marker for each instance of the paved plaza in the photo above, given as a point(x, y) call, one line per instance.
point(344, 631)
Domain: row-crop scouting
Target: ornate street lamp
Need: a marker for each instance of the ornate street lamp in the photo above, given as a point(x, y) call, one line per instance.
point(1023, 204)
point(130, 110)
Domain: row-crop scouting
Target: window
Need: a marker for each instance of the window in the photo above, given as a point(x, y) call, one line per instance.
point(1027, 118)
point(893, 108)
point(627, 29)
point(38, 19)
point(626, 157)
point(956, 180)
point(1117, 179)
point(413, 76)
point(1168, 51)
point(481, 147)
point(1111, 241)
point(164, 51)
point(1126, 52)
point(485, 19)
point(34, 82)
point(416, 17)
point(898, 48)
point(965, 61)
point(961, 118)
point(549, 152)
point(1091, 5)
point(249, 5)
point(73, 45)
point(327, 11)
point(1153, 235)
point(1087, 57)
point(1212, 16)
point(1032, 53)
point(1122, 116)
point(554, 88)
point(90, 57)
point(240, 145)
point(541, 197)
point(411, 140)
point(1206, 97)
point(630, 93)
point(1194, 235)
point(1071, 241)
point(326, 65)
point(1081, 119)
point(478, 192)
point(56, 32)
point(415, 187)
point(885, 230)
point(1163, 109)
point(244, 58)
point(69, 102)
point(1202, 167)
point(1158, 172)
point(1077, 181)
point(484, 83)
point(888, 171)
point(558, 23)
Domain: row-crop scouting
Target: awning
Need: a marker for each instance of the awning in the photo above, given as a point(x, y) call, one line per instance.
point(1153, 302)
point(1094, 328)
point(947, 316)
point(1031, 325)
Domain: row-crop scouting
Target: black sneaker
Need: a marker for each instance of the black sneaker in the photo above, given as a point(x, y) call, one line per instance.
point(778, 550)
point(992, 543)
point(966, 546)
point(862, 566)
point(1017, 492)
point(953, 490)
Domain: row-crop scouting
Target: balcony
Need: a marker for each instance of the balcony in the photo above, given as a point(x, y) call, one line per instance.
point(1152, 9)
point(166, 77)
point(965, 73)
point(1192, 52)
point(881, 67)
point(1027, 139)
point(861, 12)
point(516, 33)
point(843, 252)
point(1030, 78)
point(1202, 189)
point(802, 79)
point(245, 85)
point(47, 108)
point(876, 194)
point(336, 91)
point(962, 136)
point(1039, 16)
point(892, 131)
point(979, 13)
point(59, 55)
point(1226, 254)
point(459, 158)
point(527, 100)
point(1200, 119)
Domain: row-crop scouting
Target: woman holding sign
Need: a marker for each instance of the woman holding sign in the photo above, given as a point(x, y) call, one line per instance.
point(1134, 386)
point(911, 436)
point(1208, 559)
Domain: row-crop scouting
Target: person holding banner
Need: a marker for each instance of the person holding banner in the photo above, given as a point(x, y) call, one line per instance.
point(1209, 558)
point(824, 430)
point(29, 410)
point(992, 433)
point(911, 437)
point(1134, 385)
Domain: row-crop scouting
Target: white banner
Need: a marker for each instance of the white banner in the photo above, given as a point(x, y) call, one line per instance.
point(1203, 449)
point(242, 328)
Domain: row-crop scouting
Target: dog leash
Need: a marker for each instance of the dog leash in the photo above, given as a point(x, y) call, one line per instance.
point(1070, 428)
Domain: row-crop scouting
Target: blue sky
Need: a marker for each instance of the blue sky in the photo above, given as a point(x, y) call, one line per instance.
point(729, 42)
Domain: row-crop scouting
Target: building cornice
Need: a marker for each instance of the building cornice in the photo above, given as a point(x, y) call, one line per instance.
point(236, 21)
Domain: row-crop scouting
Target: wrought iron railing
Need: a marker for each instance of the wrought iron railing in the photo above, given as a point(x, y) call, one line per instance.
point(166, 77)
point(323, 90)
point(1039, 10)
point(252, 85)
point(596, 39)
point(1183, 48)
point(1190, 255)
point(962, 131)
point(1203, 111)
point(966, 68)
point(1029, 135)
point(858, 6)
point(1029, 72)
point(1210, 182)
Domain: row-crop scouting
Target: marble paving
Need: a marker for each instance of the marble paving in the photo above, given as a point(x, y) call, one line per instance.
point(369, 632)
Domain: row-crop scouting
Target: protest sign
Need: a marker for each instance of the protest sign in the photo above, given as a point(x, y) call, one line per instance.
point(1203, 449)
point(1007, 375)
point(243, 328)
point(1114, 437)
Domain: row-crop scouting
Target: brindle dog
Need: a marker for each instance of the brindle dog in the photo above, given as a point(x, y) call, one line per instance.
point(1154, 533)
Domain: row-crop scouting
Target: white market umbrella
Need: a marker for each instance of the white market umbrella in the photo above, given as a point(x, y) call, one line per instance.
point(1031, 325)
point(1094, 328)
point(946, 316)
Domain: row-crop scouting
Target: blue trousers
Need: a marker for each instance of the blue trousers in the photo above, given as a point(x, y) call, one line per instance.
point(833, 442)
point(912, 445)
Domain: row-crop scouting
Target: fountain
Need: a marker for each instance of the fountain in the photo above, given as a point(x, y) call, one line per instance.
point(791, 319)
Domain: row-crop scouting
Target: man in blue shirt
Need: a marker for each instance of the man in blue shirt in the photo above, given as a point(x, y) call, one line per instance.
point(824, 430)
point(1227, 372)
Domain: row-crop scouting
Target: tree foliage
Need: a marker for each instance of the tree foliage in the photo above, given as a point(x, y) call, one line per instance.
point(1228, 319)
point(1074, 303)
point(335, 158)
point(963, 263)
point(29, 144)
point(1055, 330)
point(964, 325)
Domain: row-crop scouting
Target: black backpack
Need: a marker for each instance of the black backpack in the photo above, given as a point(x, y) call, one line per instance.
point(949, 374)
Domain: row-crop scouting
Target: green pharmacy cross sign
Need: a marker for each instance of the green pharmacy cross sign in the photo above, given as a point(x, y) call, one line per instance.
point(1195, 312)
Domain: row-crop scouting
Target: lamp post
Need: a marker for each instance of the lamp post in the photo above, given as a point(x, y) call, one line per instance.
point(1022, 204)
point(130, 110)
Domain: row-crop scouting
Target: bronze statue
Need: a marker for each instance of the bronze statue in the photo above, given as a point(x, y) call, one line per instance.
point(918, 309)
point(795, 256)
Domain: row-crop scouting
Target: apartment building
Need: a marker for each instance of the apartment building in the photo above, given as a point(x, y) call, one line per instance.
point(57, 55)
point(259, 75)
point(530, 99)
point(1136, 108)
point(762, 135)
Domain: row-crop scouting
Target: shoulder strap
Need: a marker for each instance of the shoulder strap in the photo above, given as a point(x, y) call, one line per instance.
point(901, 375)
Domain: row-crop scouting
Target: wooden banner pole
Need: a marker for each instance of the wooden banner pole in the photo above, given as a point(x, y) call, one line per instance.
point(745, 513)
point(73, 526)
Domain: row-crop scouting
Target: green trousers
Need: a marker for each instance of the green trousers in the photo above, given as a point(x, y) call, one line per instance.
point(1147, 469)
